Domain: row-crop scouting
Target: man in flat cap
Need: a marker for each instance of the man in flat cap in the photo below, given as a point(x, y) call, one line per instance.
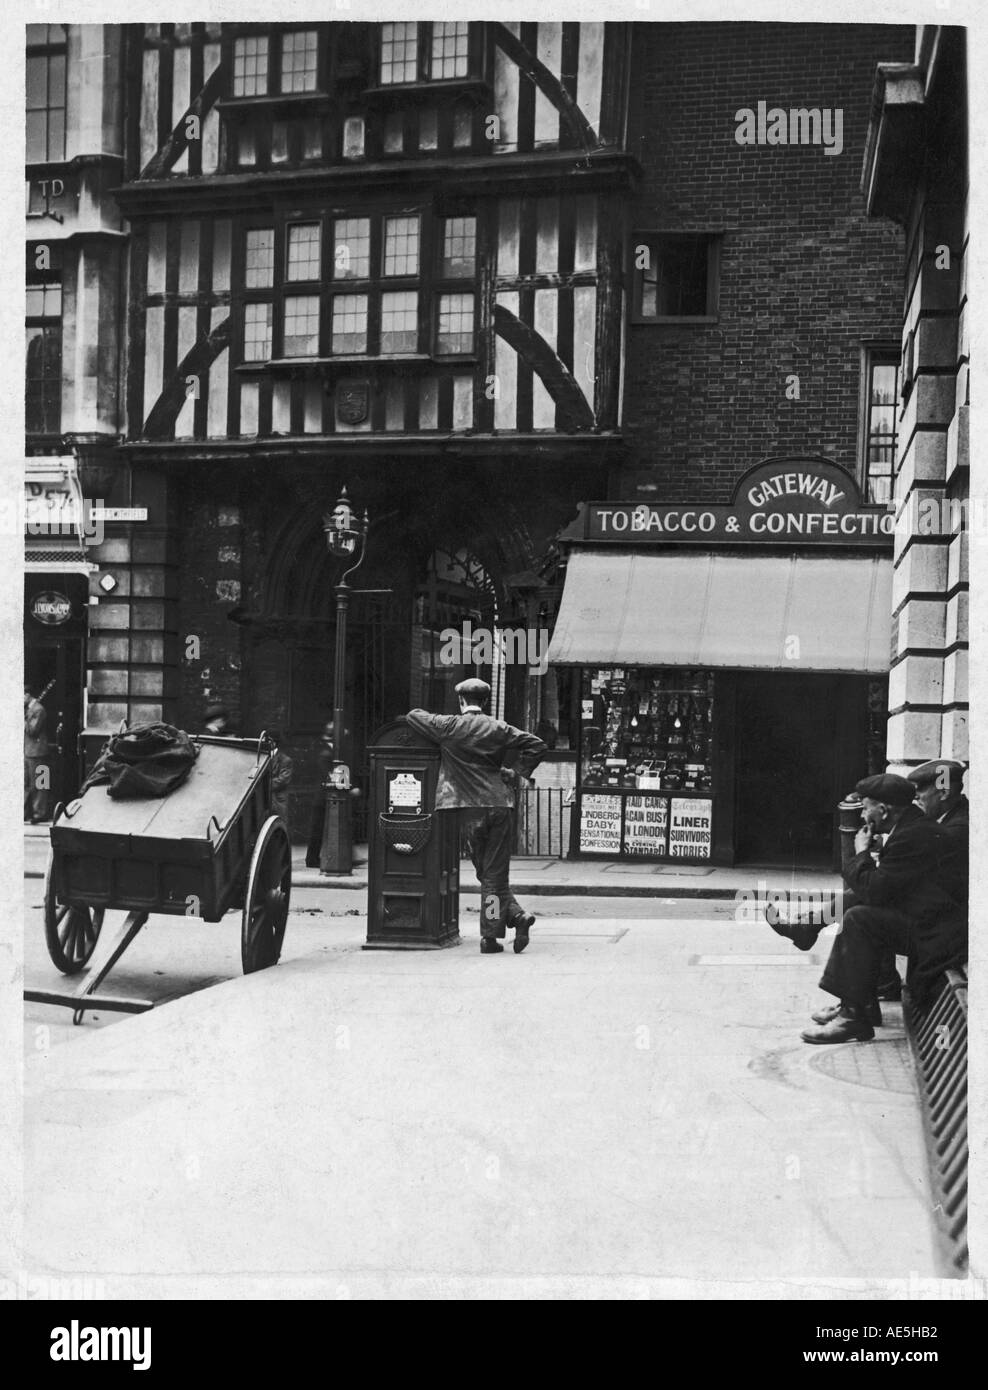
point(481, 761)
point(901, 904)
point(217, 720)
point(940, 794)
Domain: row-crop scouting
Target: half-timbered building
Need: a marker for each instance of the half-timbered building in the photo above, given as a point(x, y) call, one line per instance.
point(380, 256)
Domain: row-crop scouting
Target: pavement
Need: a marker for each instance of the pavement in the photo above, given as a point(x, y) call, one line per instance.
point(613, 878)
point(623, 1108)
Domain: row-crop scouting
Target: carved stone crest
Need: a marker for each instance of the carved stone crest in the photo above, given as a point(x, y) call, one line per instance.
point(353, 401)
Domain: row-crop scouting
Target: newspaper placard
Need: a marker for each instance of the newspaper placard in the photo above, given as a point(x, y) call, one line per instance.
point(645, 822)
point(690, 828)
point(600, 824)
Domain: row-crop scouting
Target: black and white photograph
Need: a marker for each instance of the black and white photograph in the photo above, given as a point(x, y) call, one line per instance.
point(495, 486)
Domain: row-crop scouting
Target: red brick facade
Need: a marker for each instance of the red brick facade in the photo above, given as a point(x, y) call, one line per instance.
point(805, 276)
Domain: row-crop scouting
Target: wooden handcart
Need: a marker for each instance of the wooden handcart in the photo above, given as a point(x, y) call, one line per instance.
point(209, 846)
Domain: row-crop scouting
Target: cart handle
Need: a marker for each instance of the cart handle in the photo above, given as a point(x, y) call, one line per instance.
point(67, 811)
point(209, 825)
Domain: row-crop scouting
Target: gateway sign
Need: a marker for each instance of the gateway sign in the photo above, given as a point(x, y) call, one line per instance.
point(803, 501)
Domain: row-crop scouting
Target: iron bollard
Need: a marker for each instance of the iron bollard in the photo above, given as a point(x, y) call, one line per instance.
point(336, 851)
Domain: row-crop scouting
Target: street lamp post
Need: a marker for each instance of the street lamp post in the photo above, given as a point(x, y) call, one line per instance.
point(346, 533)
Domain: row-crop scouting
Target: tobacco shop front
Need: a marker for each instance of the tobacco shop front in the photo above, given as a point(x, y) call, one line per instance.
point(731, 668)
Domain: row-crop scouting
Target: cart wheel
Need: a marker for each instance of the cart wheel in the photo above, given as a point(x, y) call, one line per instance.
point(269, 887)
point(70, 932)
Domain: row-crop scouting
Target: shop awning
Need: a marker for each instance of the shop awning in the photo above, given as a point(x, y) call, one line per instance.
point(765, 612)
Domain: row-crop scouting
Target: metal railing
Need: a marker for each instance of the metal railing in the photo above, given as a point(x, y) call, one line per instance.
point(939, 1042)
point(542, 820)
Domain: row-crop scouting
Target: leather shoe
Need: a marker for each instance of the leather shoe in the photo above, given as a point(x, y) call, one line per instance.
point(489, 947)
point(840, 1030)
point(522, 926)
point(803, 937)
point(873, 1014)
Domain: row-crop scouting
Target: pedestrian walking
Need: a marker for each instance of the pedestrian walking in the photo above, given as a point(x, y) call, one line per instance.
point(324, 761)
point(480, 758)
point(282, 770)
point(36, 751)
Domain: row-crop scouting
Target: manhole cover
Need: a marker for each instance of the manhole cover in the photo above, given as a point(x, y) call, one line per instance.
point(884, 1065)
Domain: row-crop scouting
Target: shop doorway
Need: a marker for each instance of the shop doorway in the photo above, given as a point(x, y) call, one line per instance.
point(55, 614)
point(54, 668)
point(801, 745)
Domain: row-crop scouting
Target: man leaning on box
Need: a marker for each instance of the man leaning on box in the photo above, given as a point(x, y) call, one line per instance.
point(482, 759)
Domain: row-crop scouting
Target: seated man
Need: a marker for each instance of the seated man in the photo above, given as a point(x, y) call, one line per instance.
point(939, 794)
point(474, 780)
point(902, 904)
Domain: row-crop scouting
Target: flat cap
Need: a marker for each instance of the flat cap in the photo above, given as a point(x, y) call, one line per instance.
point(887, 787)
point(945, 769)
point(217, 712)
point(473, 689)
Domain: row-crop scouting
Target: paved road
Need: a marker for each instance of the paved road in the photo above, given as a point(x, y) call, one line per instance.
point(624, 1106)
point(172, 957)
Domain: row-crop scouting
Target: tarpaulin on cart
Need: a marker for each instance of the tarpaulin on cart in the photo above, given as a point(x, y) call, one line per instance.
point(764, 612)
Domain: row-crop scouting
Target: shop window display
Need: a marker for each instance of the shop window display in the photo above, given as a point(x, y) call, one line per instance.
point(646, 780)
point(647, 730)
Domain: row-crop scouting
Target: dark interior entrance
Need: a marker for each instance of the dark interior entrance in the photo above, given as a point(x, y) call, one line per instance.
point(800, 746)
point(54, 651)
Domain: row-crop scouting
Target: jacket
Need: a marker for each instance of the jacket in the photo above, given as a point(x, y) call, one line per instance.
point(954, 861)
point(473, 749)
point(282, 769)
point(912, 877)
point(35, 730)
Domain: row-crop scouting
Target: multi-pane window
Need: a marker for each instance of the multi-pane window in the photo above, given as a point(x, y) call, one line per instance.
point(350, 323)
point(454, 330)
point(366, 291)
point(449, 49)
point(44, 357)
point(399, 321)
point(257, 332)
point(351, 248)
point(301, 338)
point(401, 246)
point(459, 247)
point(880, 426)
point(675, 277)
point(399, 52)
point(259, 258)
point(299, 50)
point(250, 66)
point(304, 258)
point(45, 82)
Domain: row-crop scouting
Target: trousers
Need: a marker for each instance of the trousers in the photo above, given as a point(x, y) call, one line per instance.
point(868, 935)
point(489, 832)
point(35, 797)
point(888, 975)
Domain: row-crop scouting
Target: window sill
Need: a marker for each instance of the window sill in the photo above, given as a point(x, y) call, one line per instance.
point(700, 319)
point(429, 88)
point(366, 360)
point(314, 101)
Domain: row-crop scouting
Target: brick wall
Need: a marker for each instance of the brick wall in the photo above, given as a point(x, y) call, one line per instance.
point(805, 276)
